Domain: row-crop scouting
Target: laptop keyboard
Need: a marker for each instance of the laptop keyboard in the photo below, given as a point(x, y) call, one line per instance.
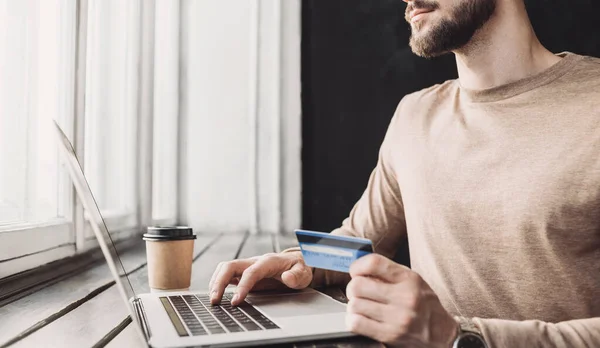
point(201, 318)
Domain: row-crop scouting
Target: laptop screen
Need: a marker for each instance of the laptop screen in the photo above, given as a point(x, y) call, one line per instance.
point(95, 218)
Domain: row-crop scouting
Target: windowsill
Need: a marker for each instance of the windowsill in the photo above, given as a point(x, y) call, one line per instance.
point(21, 226)
point(26, 246)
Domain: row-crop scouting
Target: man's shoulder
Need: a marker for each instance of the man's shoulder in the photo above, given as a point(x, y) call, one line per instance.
point(424, 104)
point(429, 96)
point(585, 74)
point(591, 62)
point(440, 90)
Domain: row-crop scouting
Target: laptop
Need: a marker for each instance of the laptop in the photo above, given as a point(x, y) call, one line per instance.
point(186, 319)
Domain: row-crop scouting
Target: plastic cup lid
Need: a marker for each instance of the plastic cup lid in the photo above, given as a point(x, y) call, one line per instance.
point(166, 233)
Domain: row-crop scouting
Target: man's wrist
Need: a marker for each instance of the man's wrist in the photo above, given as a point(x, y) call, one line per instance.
point(469, 333)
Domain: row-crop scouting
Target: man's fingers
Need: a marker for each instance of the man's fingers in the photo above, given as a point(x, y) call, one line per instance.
point(252, 275)
point(364, 326)
point(297, 277)
point(368, 289)
point(378, 266)
point(379, 312)
point(227, 272)
point(368, 327)
point(214, 275)
point(367, 308)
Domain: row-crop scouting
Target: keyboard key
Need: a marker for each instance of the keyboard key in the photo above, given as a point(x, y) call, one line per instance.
point(251, 326)
point(270, 325)
point(216, 330)
point(241, 317)
point(235, 328)
point(197, 330)
point(258, 316)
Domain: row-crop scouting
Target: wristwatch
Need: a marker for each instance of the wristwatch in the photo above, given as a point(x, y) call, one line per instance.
point(469, 335)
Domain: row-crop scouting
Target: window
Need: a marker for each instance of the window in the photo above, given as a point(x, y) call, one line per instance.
point(89, 65)
point(111, 109)
point(166, 110)
point(36, 86)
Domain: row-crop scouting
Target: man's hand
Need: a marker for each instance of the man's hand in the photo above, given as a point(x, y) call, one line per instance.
point(265, 272)
point(394, 305)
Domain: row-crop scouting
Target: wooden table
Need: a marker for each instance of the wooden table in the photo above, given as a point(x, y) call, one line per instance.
point(86, 309)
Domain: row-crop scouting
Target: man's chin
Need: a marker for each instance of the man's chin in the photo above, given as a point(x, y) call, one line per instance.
point(422, 41)
point(422, 48)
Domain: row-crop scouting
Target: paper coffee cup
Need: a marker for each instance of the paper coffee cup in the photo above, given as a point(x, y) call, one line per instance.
point(170, 252)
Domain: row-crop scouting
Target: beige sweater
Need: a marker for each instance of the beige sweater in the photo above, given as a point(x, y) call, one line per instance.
point(498, 193)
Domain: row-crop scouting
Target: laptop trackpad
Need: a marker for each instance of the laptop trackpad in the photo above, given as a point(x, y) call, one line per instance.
point(297, 305)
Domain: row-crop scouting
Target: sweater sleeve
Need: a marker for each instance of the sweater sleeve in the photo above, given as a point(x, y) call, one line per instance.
point(378, 215)
point(584, 333)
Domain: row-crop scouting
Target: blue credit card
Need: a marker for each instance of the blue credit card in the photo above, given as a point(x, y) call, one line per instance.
point(332, 252)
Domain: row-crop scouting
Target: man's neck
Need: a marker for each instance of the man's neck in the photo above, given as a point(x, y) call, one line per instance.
point(505, 50)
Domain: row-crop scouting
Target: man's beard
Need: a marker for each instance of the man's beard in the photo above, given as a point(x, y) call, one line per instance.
point(450, 33)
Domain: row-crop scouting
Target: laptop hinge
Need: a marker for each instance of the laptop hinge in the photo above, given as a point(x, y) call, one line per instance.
point(141, 317)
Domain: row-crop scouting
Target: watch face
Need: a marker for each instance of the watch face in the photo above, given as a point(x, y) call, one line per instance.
point(470, 340)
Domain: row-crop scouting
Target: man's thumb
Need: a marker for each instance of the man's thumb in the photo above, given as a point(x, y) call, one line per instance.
point(297, 277)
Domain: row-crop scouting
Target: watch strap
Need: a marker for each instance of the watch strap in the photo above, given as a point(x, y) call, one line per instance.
point(468, 325)
point(469, 335)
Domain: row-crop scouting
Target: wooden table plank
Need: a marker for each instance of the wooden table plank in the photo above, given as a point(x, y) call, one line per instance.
point(127, 338)
point(257, 245)
point(52, 302)
point(82, 327)
point(224, 249)
point(76, 322)
point(284, 241)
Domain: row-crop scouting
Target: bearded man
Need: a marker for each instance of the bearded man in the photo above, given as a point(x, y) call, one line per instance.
point(494, 179)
